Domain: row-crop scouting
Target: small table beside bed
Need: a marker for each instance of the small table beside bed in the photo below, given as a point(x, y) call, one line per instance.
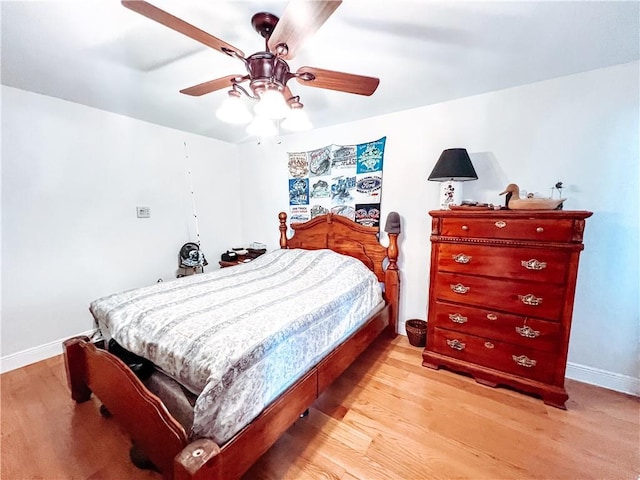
point(240, 353)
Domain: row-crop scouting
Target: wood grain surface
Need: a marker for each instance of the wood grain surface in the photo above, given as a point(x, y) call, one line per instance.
point(386, 417)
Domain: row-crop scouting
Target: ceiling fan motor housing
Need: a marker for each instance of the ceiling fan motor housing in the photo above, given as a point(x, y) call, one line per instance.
point(266, 69)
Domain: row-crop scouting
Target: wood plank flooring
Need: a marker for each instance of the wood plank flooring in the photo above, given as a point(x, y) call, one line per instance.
point(387, 417)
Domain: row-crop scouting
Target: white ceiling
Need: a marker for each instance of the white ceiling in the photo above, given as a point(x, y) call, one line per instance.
point(100, 54)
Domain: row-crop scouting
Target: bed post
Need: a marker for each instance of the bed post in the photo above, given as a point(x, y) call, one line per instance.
point(75, 364)
point(392, 283)
point(283, 229)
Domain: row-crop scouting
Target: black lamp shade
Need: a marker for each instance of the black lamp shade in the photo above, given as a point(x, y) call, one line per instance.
point(453, 164)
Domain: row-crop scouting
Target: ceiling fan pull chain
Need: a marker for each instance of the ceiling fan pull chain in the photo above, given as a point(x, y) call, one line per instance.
point(193, 198)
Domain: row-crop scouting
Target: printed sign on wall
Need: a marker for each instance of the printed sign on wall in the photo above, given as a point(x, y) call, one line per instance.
point(342, 179)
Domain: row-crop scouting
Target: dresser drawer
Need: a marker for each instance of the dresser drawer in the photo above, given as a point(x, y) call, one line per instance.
point(521, 361)
point(529, 299)
point(526, 332)
point(535, 264)
point(534, 229)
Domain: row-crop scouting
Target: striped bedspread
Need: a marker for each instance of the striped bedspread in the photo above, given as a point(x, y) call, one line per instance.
point(238, 337)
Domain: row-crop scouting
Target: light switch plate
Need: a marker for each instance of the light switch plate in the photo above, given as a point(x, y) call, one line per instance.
point(143, 212)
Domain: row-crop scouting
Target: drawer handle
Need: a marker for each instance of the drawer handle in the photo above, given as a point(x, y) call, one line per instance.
point(539, 229)
point(533, 264)
point(457, 318)
point(524, 361)
point(459, 288)
point(461, 258)
point(500, 224)
point(530, 299)
point(492, 316)
point(527, 332)
point(465, 227)
point(456, 344)
point(489, 345)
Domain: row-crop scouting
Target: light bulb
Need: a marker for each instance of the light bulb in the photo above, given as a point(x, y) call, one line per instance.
point(297, 120)
point(272, 105)
point(262, 127)
point(233, 110)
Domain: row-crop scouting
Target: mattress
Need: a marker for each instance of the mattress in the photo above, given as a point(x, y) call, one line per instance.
point(238, 337)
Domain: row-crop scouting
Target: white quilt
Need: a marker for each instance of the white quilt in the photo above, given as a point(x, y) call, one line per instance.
point(238, 337)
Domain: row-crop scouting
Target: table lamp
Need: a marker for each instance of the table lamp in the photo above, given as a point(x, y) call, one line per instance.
point(453, 167)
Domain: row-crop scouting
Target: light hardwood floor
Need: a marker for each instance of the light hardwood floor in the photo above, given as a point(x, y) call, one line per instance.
point(387, 417)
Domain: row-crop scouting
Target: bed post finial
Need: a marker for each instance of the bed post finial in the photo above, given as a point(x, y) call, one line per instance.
point(283, 229)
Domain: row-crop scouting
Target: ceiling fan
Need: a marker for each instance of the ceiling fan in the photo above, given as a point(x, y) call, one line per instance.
point(267, 71)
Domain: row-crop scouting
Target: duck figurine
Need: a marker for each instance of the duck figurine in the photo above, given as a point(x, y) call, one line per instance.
point(514, 202)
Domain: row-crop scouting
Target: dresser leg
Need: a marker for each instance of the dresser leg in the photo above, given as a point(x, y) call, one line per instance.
point(427, 364)
point(488, 383)
point(556, 399)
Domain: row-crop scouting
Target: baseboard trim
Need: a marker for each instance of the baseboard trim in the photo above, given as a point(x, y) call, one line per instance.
point(603, 378)
point(34, 354)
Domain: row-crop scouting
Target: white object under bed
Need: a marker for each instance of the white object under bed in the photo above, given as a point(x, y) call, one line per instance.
point(238, 337)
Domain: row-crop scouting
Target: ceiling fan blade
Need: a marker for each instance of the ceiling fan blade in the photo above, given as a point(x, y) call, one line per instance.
point(340, 81)
point(175, 23)
point(211, 85)
point(300, 20)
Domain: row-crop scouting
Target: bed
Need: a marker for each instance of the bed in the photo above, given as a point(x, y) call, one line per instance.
point(223, 438)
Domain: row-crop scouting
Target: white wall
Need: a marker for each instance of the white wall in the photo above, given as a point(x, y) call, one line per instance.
point(72, 177)
point(581, 129)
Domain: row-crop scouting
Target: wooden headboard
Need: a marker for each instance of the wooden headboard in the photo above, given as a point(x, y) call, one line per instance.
point(347, 237)
point(344, 236)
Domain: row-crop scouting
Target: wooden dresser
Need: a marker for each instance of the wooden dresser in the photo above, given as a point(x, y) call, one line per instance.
point(501, 293)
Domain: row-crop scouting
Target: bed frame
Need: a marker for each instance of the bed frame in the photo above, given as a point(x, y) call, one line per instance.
point(162, 440)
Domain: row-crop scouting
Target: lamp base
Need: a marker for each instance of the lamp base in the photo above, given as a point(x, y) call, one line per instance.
point(450, 194)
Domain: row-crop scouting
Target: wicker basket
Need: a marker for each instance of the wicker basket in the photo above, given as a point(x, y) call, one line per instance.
point(417, 332)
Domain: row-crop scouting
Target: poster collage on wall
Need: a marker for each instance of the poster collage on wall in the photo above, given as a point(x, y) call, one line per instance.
point(342, 179)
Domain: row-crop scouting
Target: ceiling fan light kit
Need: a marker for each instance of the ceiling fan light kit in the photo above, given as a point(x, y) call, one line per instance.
point(262, 127)
point(233, 110)
point(297, 120)
point(267, 71)
point(271, 104)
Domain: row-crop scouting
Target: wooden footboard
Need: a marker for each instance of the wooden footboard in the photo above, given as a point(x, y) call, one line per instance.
point(163, 440)
point(140, 413)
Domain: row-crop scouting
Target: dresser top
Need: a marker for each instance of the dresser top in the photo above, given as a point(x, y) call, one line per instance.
point(533, 214)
